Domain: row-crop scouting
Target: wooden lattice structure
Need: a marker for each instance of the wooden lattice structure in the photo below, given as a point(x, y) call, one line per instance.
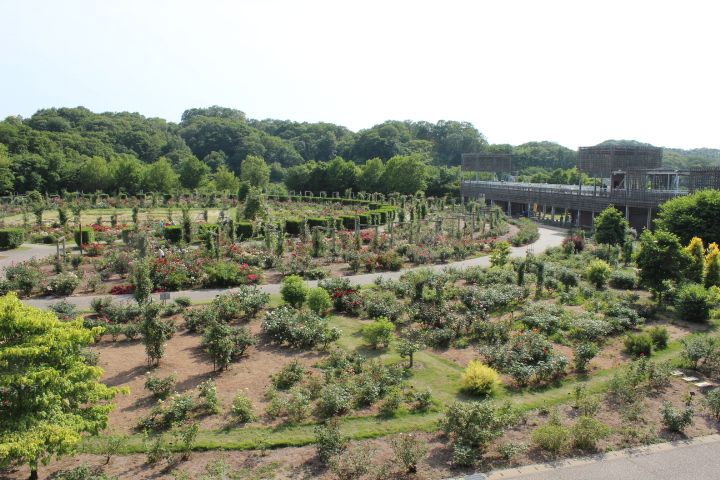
point(602, 160)
point(701, 178)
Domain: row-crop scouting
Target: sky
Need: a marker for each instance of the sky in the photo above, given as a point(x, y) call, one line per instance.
point(573, 72)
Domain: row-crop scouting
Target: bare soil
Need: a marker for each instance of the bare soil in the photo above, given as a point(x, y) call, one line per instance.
point(124, 364)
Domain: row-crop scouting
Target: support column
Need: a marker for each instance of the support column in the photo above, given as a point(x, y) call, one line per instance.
point(649, 218)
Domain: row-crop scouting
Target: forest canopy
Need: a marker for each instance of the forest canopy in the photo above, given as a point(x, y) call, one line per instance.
point(74, 149)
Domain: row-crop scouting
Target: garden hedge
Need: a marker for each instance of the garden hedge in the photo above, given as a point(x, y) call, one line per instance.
point(243, 230)
point(126, 234)
point(11, 238)
point(88, 236)
point(365, 218)
point(348, 221)
point(173, 233)
point(293, 225)
point(316, 222)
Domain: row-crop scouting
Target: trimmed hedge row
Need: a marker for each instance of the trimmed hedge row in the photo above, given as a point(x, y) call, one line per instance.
point(86, 237)
point(243, 230)
point(11, 238)
point(173, 233)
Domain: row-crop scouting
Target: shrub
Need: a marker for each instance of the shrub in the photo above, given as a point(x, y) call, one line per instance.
point(329, 441)
point(64, 310)
point(380, 332)
point(183, 301)
point(586, 432)
point(223, 343)
point(23, 276)
point(196, 320)
point(160, 387)
point(713, 402)
point(677, 419)
point(699, 348)
point(693, 303)
point(294, 291)
point(384, 304)
point(409, 450)
point(175, 410)
point(319, 301)
point(577, 244)
point(208, 397)
point(582, 354)
point(476, 424)
point(659, 336)
point(335, 399)
point(131, 331)
point(350, 465)
point(567, 277)
point(598, 273)
point(623, 280)
point(63, 284)
point(289, 375)
point(552, 437)
point(511, 449)
point(479, 379)
point(299, 329)
point(640, 344)
point(11, 238)
point(242, 409)
point(224, 275)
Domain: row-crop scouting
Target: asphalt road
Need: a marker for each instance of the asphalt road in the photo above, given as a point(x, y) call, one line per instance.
point(694, 459)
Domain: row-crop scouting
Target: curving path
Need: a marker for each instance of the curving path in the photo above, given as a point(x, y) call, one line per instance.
point(549, 237)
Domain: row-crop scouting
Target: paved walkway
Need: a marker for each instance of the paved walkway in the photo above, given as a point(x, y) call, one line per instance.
point(549, 237)
point(17, 256)
point(694, 459)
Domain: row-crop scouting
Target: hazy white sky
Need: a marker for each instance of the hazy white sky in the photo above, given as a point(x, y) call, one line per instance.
point(575, 72)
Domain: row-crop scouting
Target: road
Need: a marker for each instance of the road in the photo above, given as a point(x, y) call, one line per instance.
point(549, 237)
point(694, 459)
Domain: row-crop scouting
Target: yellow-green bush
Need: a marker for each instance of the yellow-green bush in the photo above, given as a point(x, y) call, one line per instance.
point(479, 379)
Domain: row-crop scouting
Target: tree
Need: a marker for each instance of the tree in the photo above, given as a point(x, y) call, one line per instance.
point(610, 227)
point(156, 332)
point(127, 173)
point(94, 174)
point(192, 172)
point(712, 266)
point(7, 179)
point(254, 205)
point(160, 177)
point(692, 216)
point(659, 258)
point(410, 343)
point(142, 281)
point(696, 269)
point(226, 180)
point(49, 395)
point(341, 175)
point(405, 174)
point(294, 291)
point(255, 171)
point(370, 178)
